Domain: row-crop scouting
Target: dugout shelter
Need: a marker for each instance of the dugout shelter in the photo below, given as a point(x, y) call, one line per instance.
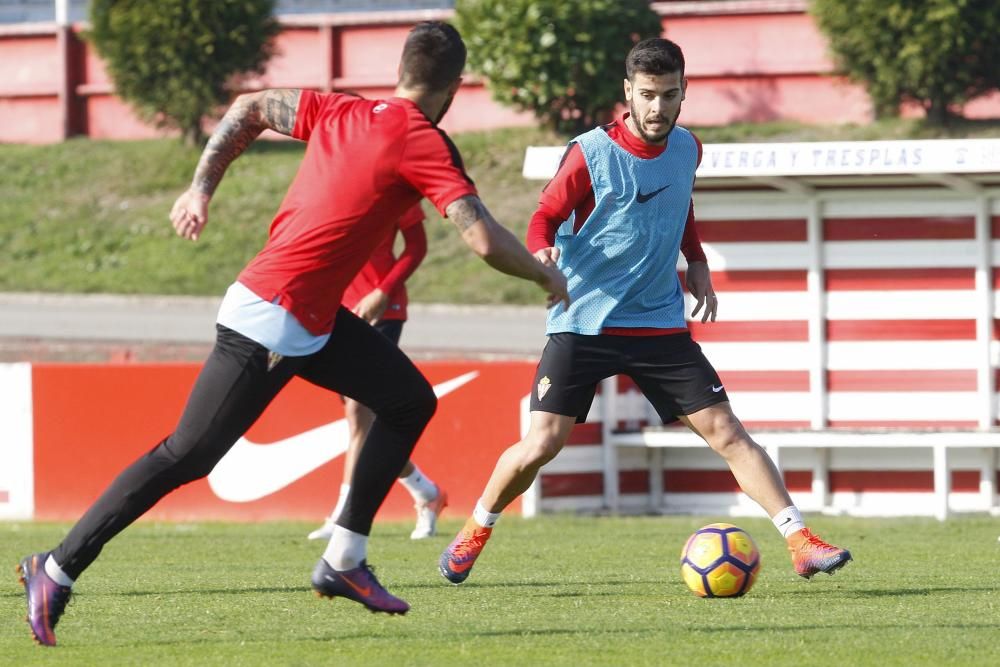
point(856, 336)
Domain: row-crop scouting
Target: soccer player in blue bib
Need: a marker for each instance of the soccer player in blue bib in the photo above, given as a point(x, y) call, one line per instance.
point(614, 219)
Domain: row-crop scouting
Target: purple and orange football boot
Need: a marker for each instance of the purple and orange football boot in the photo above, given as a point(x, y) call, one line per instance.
point(46, 599)
point(811, 555)
point(457, 560)
point(358, 584)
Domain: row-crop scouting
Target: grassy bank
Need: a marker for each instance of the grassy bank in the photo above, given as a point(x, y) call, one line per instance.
point(91, 216)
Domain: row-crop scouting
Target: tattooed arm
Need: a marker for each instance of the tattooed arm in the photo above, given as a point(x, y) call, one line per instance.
point(249, 115)
point(500, 249)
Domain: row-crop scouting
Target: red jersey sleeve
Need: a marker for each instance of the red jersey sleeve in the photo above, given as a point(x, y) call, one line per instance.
point(414, 251)
point(571, 185)
point(431, 163)
point(691, 241)
point(312, 105)
point(542, 228)
point(569, 190)
point(414, 216)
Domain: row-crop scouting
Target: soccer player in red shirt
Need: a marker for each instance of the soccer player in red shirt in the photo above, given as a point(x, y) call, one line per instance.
point(378, 296)
point(614, 218)
point(366, 162)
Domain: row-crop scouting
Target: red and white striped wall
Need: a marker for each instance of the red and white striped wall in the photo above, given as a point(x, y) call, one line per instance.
point(855, 307)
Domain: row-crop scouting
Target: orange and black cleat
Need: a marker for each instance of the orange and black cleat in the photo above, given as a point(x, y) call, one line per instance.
point(457, 560)
point(811, 555)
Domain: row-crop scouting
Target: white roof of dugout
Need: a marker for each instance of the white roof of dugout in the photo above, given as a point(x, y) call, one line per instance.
point(968, 166)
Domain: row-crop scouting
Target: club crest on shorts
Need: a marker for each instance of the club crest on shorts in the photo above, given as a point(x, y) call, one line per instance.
point(543, 387)
point(272, 360)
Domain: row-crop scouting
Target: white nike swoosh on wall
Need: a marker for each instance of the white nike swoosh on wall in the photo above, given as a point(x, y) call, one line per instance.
point(251, 471)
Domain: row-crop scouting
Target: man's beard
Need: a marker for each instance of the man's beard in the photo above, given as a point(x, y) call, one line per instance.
point(649, 138)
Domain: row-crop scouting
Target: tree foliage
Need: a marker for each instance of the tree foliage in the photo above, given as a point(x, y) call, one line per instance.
point(937, 53)
point(176, 61)
point(565, 61)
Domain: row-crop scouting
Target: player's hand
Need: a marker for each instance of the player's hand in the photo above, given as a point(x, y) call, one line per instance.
point(189, 214)
point(547, 256)
point(372, 306)
point(554, 282)
point(699, 283)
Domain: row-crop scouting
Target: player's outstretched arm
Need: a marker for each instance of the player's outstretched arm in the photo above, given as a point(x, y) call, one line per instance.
point(499, 248)
point(250, 114)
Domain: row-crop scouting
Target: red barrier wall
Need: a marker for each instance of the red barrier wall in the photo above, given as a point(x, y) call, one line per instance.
point(748, 60)
point(91, 421)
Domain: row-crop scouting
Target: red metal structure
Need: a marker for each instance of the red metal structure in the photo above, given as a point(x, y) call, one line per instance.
point(53, 85)
point(748, 60)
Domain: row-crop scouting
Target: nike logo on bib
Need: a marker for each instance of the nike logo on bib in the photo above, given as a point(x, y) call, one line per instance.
point(250, 471)
point(643, 198)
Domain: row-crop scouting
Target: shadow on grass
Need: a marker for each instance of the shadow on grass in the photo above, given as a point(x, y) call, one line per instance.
point(888, 592)
point(539, 587)
point(539, 584)
point(900, 592)
point(581, 594)
point(368, 637)
point(861, 627)
point(551, 632)
point(235, 590)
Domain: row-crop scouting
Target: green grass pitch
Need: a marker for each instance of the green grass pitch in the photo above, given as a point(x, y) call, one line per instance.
point(559, 590)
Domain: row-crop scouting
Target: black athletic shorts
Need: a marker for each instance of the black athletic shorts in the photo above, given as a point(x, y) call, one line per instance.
point(670, 370)
point(391, 329)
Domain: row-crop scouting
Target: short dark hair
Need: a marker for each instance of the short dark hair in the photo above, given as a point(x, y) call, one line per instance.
point(433, 56)
point(654, 56)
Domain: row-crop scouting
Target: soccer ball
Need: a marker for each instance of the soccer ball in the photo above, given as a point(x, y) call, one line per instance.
point(720, 561)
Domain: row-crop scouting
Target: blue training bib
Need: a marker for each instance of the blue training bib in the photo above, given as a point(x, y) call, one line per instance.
point(621, 265)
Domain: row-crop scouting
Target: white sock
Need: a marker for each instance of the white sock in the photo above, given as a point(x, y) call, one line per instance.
point(788, 521)
point(341, 499)
point(422, 489)
point(346, 549)
point(55, 572)
point(484, 517)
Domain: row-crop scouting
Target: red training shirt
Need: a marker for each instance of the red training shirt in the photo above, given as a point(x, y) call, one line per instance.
point(571, 191)
point(366, 163)
point(387, 272)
